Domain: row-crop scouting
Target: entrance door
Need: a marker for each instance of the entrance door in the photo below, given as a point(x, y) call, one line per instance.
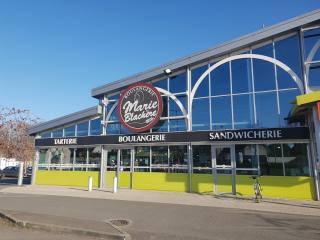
point(224, 169)
point(120, 164)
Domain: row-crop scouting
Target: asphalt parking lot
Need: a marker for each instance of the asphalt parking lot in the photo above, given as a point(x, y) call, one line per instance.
point(10, 181)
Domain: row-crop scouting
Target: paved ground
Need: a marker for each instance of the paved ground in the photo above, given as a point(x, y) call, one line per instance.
point(154, 220)
point(271, 205)
point(10, 232)
point(8, 182)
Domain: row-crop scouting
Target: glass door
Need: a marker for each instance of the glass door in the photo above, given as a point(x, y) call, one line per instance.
point(119, 163)
point(224, 169)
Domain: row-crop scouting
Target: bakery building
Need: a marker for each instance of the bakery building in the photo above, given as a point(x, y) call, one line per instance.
point(204, 123)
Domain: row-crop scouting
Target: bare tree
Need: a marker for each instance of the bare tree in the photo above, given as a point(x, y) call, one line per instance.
point(14, 139)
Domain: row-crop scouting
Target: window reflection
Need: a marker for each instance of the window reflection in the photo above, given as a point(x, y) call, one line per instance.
point(178, 83)
point(241, 76)
point(82, 129)
point(200, 114)
point(70, 131)
point(243, 111)
point(95, 127)
point(221, 113)
point(267, 110)
point(202, 158)
point(288, 52)
point(203, 89)
point(220, 80)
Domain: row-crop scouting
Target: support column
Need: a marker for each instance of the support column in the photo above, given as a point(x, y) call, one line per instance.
point(315, 162)
point(35, 167)
point(102, 182)
point(190, 162)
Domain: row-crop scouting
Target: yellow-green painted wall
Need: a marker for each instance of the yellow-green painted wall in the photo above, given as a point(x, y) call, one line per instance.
point(124, 179)
point(177, 182)
point(202, 183)
point(289, 187)
point(66, 178)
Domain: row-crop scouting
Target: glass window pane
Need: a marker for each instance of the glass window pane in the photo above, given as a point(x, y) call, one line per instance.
point(142, 157)
point(178, 83)
point(43, 156)
point(55, 155)
point(246, 156)
point(311, 38)
point(45, 135)
point(221, 113)
point(94, 155)
point(177, 125)
point(220, 80)
point(203, 89)
point(174, 108)
point(95, 127)
point(286, 100)
point(161, 84)
point(125, 159)
point(270, 158)
point(295, 159)
point(113, 128)
point(81, 156)
point(178, 156)
point(267, 109)
point(263, 71)
point(165, 106)
point(202, 156)
point(112, 159)
point(241, 76)
point(159, 156)
point(288, 52)
point(67, 155)
point(114, 114)
point(161, 126)
point(70, 131)
point(314, 76)
point(57, 133)
point(200, 114)
point(114, 97)
point(243, 111)
point(82, 129)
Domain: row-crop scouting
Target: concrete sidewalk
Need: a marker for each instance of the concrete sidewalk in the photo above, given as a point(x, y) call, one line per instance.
point(311, 208)
point(101, 230)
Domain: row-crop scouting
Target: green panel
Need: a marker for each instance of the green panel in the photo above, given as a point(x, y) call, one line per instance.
point(124, 179)
point(161, 181)
point(202, 183)
point(224, 184)
point(66, 178)
point(290, 187)
point(109, 178)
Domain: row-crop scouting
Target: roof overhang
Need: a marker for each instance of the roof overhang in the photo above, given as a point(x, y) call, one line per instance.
point(220, 50)
point(77, 116)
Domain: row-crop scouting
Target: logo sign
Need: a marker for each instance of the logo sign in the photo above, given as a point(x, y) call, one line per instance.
point(140, 107)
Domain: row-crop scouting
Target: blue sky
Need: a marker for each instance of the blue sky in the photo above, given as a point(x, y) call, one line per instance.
point(52, 53)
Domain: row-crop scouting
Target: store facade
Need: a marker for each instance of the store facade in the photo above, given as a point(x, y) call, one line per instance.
point(204, 123)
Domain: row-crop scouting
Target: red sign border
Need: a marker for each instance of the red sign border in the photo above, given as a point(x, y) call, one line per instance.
point(152, 123)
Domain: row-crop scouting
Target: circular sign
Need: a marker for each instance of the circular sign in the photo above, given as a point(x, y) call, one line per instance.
point(140, 107)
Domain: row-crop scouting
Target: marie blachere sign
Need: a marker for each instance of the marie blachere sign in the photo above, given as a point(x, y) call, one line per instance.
point(140, 107)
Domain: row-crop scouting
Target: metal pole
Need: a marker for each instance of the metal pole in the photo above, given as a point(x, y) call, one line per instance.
point(35, 167)
point(20, 176)
point(90, 184)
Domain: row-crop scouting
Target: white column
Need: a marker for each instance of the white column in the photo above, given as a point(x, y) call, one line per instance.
point(102, 168)
point(316, 161)
point(35, 167)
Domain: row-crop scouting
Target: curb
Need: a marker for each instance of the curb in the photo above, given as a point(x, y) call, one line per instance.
point(55, 228)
